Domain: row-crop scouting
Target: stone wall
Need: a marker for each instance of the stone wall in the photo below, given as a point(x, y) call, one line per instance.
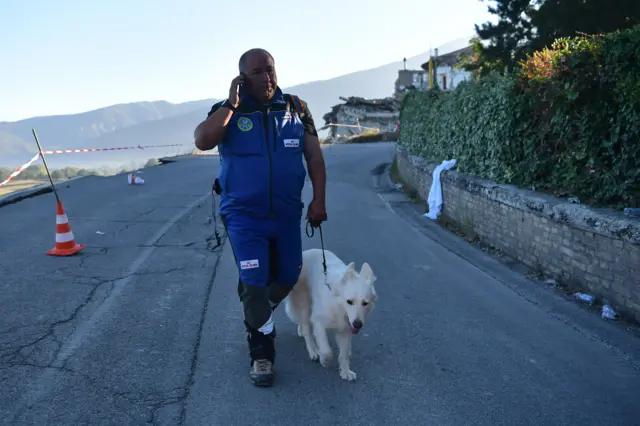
point(590, 249)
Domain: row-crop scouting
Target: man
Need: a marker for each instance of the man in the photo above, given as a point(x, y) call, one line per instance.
point(262, 136)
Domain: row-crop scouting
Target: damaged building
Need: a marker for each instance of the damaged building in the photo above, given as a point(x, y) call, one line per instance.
point(410, 80)
point(360, 116)
point(447, 75)
point(357, 115)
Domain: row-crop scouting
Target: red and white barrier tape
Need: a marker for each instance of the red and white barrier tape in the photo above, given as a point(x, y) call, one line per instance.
point(121, 148)
point(20, 170)
point(69, 151)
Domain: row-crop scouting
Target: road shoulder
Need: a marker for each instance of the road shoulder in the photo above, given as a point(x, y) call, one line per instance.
point(621, 338)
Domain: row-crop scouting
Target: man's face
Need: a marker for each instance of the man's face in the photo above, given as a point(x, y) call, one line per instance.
point(260, 76)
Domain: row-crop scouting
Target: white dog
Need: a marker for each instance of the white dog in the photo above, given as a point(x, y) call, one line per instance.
point(339, 303)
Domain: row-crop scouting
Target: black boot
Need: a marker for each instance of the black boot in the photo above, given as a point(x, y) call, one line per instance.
point(262, 354)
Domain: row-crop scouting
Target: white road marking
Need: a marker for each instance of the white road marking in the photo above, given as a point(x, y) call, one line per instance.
point(80, 332)
point(39, 386)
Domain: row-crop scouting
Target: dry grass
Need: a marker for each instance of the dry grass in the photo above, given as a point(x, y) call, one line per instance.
point(18, 185)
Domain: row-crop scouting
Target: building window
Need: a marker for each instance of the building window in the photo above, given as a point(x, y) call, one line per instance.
point(444, 81)
point(417, 80)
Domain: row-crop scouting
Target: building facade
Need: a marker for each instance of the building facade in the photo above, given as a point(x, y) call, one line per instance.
point(447, 75)
point(410, 80)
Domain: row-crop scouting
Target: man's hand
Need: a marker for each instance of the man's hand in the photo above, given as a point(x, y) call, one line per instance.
point(210, 132)
point(234, 93)
point(317, 212)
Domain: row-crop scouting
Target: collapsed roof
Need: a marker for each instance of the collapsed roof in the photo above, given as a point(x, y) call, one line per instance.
point(388, 104)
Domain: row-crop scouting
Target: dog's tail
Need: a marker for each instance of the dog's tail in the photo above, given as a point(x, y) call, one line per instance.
point(289, 310)
point(297, 304)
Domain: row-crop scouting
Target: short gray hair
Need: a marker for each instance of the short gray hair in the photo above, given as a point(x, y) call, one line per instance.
point(243, 58)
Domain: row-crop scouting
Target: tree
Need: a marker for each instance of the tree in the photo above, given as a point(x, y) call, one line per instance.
point(508, 40)
point(569, 18)
point(476, 63)
point(525, 26)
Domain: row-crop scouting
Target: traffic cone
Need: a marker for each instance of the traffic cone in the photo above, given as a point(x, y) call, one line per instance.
point(65, 242)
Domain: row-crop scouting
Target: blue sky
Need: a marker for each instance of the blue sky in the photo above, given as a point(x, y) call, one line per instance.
point(70, 56)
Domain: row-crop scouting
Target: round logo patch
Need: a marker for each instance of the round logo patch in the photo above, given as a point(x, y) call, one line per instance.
point(245, 124)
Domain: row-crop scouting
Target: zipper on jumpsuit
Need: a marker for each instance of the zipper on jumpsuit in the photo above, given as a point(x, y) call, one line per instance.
point(265, 122)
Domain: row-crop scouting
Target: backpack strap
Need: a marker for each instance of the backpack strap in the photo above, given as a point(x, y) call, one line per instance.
point(295, 101)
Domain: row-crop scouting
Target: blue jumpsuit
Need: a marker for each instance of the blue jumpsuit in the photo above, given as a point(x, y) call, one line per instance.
point(262, 176)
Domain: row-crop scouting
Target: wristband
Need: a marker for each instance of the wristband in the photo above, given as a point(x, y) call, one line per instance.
point(229, 105)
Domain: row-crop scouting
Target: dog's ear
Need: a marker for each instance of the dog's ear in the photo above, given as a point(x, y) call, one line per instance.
point(350, 273)
point(367, 273)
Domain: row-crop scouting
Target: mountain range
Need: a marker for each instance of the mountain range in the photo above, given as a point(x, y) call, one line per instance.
point(165, 123)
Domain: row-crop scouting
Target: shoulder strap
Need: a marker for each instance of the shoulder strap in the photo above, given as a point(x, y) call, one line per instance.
point(295, 101)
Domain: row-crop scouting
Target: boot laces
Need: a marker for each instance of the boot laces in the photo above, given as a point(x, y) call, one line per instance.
point(263, 366)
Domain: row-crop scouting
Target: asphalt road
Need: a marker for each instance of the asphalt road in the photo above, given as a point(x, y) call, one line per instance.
point(143, 327)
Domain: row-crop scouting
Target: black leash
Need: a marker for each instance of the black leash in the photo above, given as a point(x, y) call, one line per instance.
point(310, 235)
point(214, 219)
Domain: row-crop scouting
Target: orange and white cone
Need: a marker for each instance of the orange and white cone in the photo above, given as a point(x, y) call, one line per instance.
point(65, 242)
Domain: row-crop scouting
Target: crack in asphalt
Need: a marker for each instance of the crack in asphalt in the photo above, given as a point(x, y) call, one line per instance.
point(10, 356)
point(151, 400)
point(124, 228)
point(39, 345)
point(133, 274)
point(9, 353)
point(196, 349)
point(147, 212)
point(185, 245)
point(105, 250)
point(82, 261)
point(22, 355)
point(19, 327)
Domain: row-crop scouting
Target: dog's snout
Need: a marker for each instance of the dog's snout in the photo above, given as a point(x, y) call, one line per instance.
point(357, 324)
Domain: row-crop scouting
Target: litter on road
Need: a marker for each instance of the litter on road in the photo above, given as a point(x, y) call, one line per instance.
point(583, 297)
point(135, 180)
point(608, 312)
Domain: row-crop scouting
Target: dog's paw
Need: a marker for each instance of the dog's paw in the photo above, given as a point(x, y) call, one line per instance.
point(325, 359)
point(348, 375)
point(313, 356)
point(300, 331)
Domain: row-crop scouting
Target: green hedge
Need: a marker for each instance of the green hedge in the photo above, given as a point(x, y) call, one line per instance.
point(567, 122)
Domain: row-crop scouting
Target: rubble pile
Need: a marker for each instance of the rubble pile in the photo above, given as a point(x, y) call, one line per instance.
point(357, 116)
